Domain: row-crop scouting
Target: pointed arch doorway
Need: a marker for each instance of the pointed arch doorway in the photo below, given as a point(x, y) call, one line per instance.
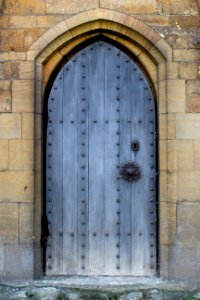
point(101, 167)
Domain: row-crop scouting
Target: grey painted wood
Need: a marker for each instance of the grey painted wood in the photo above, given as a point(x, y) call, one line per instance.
point(99, 223)
point(54, 176)
point(96, 159)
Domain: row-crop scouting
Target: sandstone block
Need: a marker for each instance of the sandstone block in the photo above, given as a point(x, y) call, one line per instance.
point(9, 222)
point(189, 70)
point(185, 20)
point(69, 7)
point(12, 55)
point(176, 95)
point(167, 223)
point(162, 104)
point(16, 186)
point(194, 38)
point(5, 96)
point(188, 126)
point(26, 222)
point(26, 70)
point(196, 155)
point(3, 155)
point(168, 71)
point(10, 70)
point(188, 225)
point(23, 96)
point(21, 155)
point(163, 155)
point(144, 6)
point(184, 152)
point(10, 126)
point(21, 7)
point(22, 21)
point(48, 20)
point(188, 185)
point(179, 7)
point(28, 126)
point(31, 35)
point(193, 86)
point(186, 55)
point(193, 103)
point(168, 186)
point(12, 40)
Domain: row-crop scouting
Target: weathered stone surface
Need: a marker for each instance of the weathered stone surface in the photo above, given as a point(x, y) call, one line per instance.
point(26, 70)
point(193, 86)
point(188, 126)
point(189, 70)
point(11, 70)
point(28, 126)
point(69, 7)
point(138, 6)
point(188, 185)
point(193, 103)
point(26, 222)
point(44, 293)
point(176, 95)
point(132, 296)
point(23, 96)
point(9, 222)
point(3, 155)
point(21, 155)
point(186, 55)
point(10, 126)
point(185, 7)
point(49, 20)
point(197, 155)
point(167, 223)
point(12, 40)
point(188, 225)
point(22, 21)
point(5, 95)
point(21, 7)
point(16, 186)
point(194, 38)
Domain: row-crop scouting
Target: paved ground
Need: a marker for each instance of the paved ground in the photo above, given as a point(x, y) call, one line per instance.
point(99, 288)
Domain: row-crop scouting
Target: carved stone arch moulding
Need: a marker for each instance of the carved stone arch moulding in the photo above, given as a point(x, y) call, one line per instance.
point(148, 48)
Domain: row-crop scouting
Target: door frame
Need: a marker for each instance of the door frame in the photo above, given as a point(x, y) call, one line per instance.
point(152, 53)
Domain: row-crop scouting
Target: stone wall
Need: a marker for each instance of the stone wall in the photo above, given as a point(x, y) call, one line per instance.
point(176, 81)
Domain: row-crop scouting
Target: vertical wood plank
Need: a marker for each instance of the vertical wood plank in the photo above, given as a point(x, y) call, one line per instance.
point(70, 168)
point(54, 177)
point(96, 159)
point(125, 155)
point(138, 189)
point(111, 159)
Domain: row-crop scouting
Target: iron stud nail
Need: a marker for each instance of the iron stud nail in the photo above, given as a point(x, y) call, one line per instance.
point(83, 110)
point(49, 212)
point(118, 77)
point(49, 200)
point(118, 223)
point(118, 110)
point(118, 267)
point(118, 66)
point(118, 54)
point(141, 78)
point(129, 234)
point(49, 167)
point(83, 245)
point(83, 234)
point(83, 132)
point(106, 121)
point(82, 190)
point(107, 234)
point(83, 201)
point(117, 256)
point(49, 155)
point(91, 48)
point(118, 245)
point(117, 88)
point(83, 98)
point(83, 268)
point(72, 234)
point(118, 200)
point(118, 155)
point(83, 213)
point(61, 121)
point(149, 98)
point(140, 233)
point(117, 98)
point(55, 88)
point(83, 223)
point(83, 178)
point(49, 267)
point(94, 121)
point(60, 233)
point(117, 132)
point(83, 65)
point(49, 189)
point(118, 212)
point(152, 256)
point(140, 121)
point(52, 99)
point(94, 234)
point(49, 256)
point(82, 256)
point(83, 122)
point(82, 167)
point(83, 144)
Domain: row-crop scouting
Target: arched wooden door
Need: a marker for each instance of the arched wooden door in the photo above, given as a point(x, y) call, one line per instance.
point(101, 167)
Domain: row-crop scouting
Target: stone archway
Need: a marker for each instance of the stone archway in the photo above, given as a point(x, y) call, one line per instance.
point(151, 51)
